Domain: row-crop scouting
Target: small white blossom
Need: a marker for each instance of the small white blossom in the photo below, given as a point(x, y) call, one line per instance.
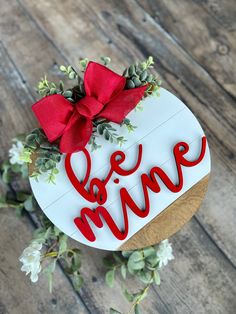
point(15, 153)
point(30, 259)
point(164, 253)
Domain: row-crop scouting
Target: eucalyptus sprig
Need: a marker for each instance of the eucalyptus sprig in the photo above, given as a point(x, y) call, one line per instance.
point(142, 264)
point(104, 128)
point(69, 71)
point(57, 249)
point(46, 155)
point(138, 75)
point(21, 201)
point(127, 123)
point(8, 171)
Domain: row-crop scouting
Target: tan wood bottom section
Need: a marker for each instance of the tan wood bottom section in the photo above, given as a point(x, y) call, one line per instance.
point(170, 220)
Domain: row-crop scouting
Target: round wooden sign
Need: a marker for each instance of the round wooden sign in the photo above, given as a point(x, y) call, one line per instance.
point(124, 198)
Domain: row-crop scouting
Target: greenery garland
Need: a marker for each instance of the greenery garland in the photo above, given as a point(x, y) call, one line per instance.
point(49, 245)
point(48, 155)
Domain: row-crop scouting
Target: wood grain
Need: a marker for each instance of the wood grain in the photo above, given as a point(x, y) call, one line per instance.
point(38, 35)
point(172, 219)
point(212, 22)
point(138, 35)
point(17, 294)
point(136, 39)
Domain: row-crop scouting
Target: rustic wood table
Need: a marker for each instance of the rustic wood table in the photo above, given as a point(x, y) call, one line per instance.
point(194, 43)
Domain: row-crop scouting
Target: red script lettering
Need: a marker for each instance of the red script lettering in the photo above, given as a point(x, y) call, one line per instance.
point(97, 193)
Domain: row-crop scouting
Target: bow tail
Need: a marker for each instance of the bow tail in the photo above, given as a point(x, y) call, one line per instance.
point(76, 134)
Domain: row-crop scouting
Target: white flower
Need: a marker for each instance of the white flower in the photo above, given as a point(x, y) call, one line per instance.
point(164, 253)
point(30, 259)
point(15, 153)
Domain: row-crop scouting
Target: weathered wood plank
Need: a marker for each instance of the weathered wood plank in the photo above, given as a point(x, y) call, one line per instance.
point(17, 293)
point(135, 34)
point(206, 30)
point(24, 298)
point(98, 297)
point(207, 287)
point(14, 106)
point(223, 11)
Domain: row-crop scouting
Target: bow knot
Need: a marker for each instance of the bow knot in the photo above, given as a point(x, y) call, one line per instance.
point(72, 123)
point(89, 106)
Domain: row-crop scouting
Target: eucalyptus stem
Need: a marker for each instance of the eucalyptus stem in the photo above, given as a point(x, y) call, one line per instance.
point(140, 297)
point(51, 254)
point(56, 254)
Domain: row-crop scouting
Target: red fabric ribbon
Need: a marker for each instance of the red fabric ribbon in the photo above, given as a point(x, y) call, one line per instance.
point(72, 123)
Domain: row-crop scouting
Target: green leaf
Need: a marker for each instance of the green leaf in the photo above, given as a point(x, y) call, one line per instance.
point(56, 231)
point(152, 260)
point(55, 171)
point(136, 256)
point(76, 262)
point(100, 129)
point(63, 68)
point(135, 261)
point(117, 257)
point(6, 177)
point(83, 64)
point(61, 86)
point(62, 244)
point(49, 270)
point(129, 296)
point(156, 278)
point(108, 262)
point(132, 70)
point(48, 233)
point(105, 60)
point(149, 251)
point(21, 196)
point(143, 75)
point(130, 84)
point(67, 94)
point(136, 82)
point(123, 271)
point(16, 168)
point(107, 135)
point(77, 281)
point(145, 276)
point(126, 254)
point(137, 309)
point(110, 277)
point(28, 204)
point(72, 75)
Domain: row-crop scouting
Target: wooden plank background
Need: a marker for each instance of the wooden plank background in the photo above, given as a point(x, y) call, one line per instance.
point(195, 48)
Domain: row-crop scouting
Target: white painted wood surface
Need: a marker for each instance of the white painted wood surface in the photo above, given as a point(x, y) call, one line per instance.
point(164, 122)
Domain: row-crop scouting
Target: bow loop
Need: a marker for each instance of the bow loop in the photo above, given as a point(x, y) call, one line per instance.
point(102, 83)
point(72, 123)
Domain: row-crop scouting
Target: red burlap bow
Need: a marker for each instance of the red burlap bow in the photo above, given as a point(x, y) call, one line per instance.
point(72, 123)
